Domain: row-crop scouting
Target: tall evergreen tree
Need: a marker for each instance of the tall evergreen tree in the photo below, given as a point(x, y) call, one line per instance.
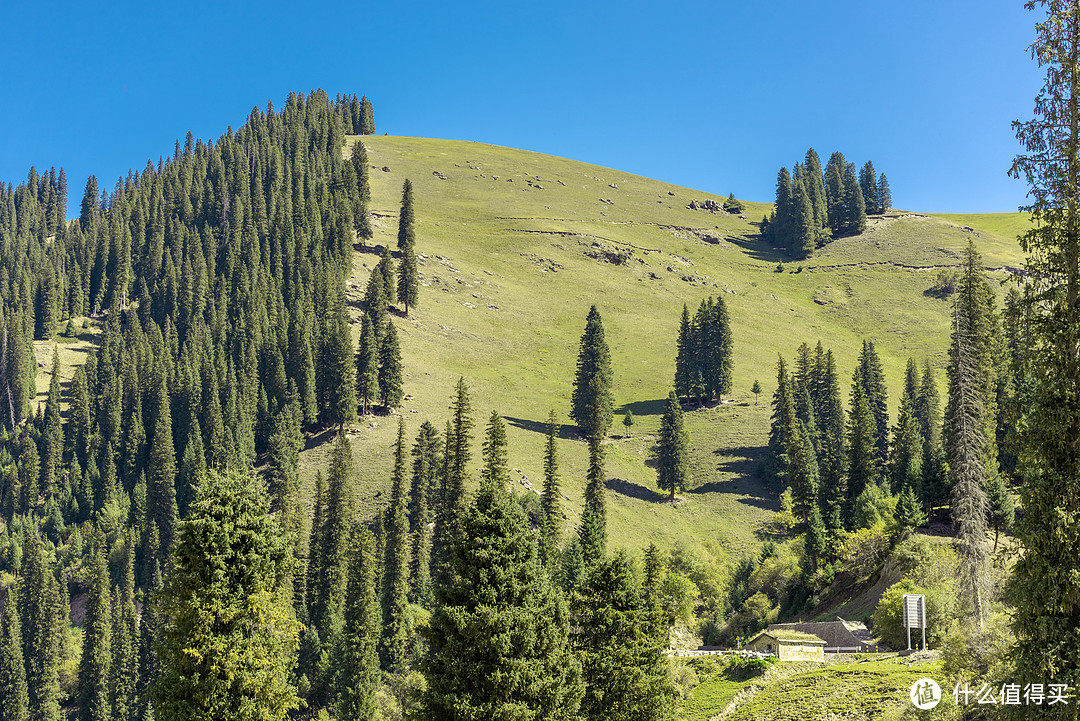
point(385, 269)
point(391, 393)
point(124, 671)
point(872, 378)
point(832, 461)
point(358, 653)
point(592, 533)
point(495, 462)
point(884, 194)
point(863, 468)
point(625, 673)
point(815, 186)
point(868, 184)
point(394, 645)
point(161, 478)
point(43, 625)
point(367, 117)
point(230, 636)
point(498, 640)
point(591, 400)
point(684, 355)
point(367, 365)
point(340, 406)
point(550, 504)
point(854, 203)
point(775, 464)
point(673, 452)
point(95, 662)
point(52, 436)
point(834, 192)
point(406, 237)
point(423, 497)
point(452, 508)
point(14, 701)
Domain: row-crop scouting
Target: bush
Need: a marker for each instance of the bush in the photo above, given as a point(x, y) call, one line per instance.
point(873, 507)
point(945, 284)
point(864, 550)
point(747, 668)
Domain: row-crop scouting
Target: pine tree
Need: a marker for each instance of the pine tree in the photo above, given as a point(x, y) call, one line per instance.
point(802, 472)
point(684, 353)
point(43, 624)
point(550, 504)
point(394, 645)
point(854, 204)
point(592, 533)
point(161, 479)
point(782, 221)
point(423, 495)
point(125, 641)
point(53, 435)
point(968, 432)
point(909, 512)
point(340, 370)
point(391, 393)
point(884, 194)
point(804, 234)
point(834, 192)
point(498, 640)
point(406, 237)
point(328, 565)
point(775, 464)
point(756, 390)
point(625, 673)
point(495, 463)
point(862, 452)
point(94, 665)
point(408, 289)
point(358, 655)
point(868, 184)
point(673, 455)
point(832, 461)
point(452, 508)
point(367, 117)
point(628, 421)
point(591, 400)
point(815, 186)
point(872, 378)
point(385, 269)
point(367, 365)
point(14, 701)
point(1001, 512)
point(230, 637)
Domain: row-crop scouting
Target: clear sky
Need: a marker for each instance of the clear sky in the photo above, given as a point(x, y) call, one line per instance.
point(711, 95)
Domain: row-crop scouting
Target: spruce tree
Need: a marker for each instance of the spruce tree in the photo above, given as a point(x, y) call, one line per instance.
point(498, 640)
point(804, 233)
point(862, 451)
point(408, 288)
point(592, 533)
point(775, 464)
point(625, 673)
point(406, 237)
point(802, 472)
point(367, 117)
point(367, 365)
point(834, 192)
point(95, 662)
point(358, 654)
point(969, 428)
point(684, 351)
point(591, 400)
point(391, 393)
point(868, 184)
point(340, 408)
point(52, 435)
point(385, 269)
point(673, 452)
point(453, 505)
point(832, 461)
point(161, 479)
point(394, 645)
point(125, 641)
point(14, 700)
point(854, 204)
point(782, 221)
point(815, 187)
point(494, 450)
point(423, 497)
point(230, 637)
point(550, 503)
point(884, 194)
point(872, 378)
point(329, 567)
point(43, 621)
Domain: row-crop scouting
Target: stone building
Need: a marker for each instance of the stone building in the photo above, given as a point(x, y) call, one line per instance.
point(788, 645)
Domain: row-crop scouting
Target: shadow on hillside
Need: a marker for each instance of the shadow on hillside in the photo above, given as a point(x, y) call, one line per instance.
point(635, 490)
point(319, 437)
point(566, 431)
point(376, 250)
point(741, 465)
point(760, 249)
point(643, 408)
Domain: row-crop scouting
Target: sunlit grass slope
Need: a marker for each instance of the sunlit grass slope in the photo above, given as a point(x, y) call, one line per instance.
point(515, 247)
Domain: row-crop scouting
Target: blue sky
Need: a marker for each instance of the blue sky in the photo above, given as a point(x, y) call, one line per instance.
point(714, 96)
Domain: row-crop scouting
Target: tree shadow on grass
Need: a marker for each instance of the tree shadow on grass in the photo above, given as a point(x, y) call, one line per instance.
point(739, 466)
point(643, 408)
point(635, 490)
point(566, 431)
point(760, 249)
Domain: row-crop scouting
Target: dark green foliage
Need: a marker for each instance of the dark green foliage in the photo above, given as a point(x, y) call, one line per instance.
point(94, 665)
point(406, 237)
point(495, 462)
point(816, 536)
point(124, 671)
point(625, 672)
point(452, 505)
point(391, 393)
point(44, 618)
point(854, 203)
point(394, 645)
point(802, 472)
point(684, 355)
point(884, 194)
point(385, 269)
point(732, 205)
point(328, 548)
point(756, 390)
point(832, 460)
point(1001, 511)
point(52, 436)
point(14, 701)
point(591, 400)
point(551, 519)
point(704, 349)
point(863, 469)
point(775, 463)
point(872, 378)
point(230, 636)
point(498, 639)
point(423, 497)
point(592, 533)
point(673, 449)
point(367, 117)
point(358, 653)
point(338, 364)
point(283, 472)
point(909, 512)
point(868, 184)
point(161, 477)
point(367, 365)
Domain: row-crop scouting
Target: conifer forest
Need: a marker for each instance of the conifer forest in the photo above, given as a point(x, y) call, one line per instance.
point(196, 524)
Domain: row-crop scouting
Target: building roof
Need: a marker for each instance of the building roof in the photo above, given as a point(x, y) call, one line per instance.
point(834, 633)
point(787, 635)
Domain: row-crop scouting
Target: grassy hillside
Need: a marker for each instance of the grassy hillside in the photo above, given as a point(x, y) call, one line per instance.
point(515, 246)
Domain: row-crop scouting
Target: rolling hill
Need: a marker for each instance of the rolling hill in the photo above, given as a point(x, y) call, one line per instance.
point(515, 246)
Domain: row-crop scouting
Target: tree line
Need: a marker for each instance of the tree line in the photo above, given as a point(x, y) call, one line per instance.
point(813, 206)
